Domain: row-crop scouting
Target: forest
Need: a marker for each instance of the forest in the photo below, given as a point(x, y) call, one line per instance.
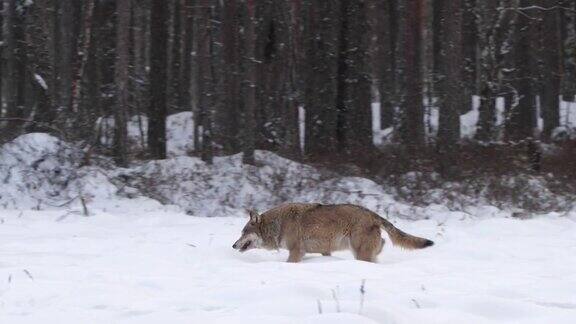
point(244, 68)
point(459, 88)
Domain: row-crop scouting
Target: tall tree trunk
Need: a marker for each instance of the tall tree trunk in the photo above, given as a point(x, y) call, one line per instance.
point(551, 51)
point(272, 73)
point(410, 75)
point(228, 119)
point(487, 17)
point(568, 42)
point(39, 67)
point(322, 43)
point(450, 92)
point(249, 74)
point(140, 35)
point(469, 54)
point(9, 67)
point(67, 48)
point(290, 27)
point(122, 78)
point(521, 121)
point(186, 72)
point(14, 69)
point(354, 123)
point(387, 29)
point(74, 97)
point(175, 55)
point(158, 66)
point(206, 74)
point(1, 61)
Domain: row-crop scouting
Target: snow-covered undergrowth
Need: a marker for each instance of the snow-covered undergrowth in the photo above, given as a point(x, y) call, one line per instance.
point(166, 267)
point(41, 172)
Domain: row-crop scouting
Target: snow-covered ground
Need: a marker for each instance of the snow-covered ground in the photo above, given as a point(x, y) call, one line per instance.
point(161, 266)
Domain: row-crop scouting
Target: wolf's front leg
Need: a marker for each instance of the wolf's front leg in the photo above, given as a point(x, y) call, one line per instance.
point(296, 255)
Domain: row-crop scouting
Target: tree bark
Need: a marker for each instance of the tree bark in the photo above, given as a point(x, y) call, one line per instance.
point(228, 119)
point(551, 50)
point(74, 96)
point(521, 122)
point(186, 72)
point(124, 9)
point(410, 75)
point(568, 43)
point(387, 30)
point(158, 68)
point(322, 55)
point(67, 48)
point(469, 54)
point(175, 55)
point(250, 71)
point(354, 120)
point(449, 90)
point(14, 69)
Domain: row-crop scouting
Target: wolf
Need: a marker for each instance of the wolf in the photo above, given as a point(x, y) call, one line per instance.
point(315, 228)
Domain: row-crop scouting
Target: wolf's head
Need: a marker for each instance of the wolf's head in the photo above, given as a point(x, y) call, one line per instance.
point(251, 235)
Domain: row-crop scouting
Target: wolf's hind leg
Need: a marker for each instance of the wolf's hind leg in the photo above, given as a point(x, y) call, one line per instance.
point(367, 244)
point(296, 255)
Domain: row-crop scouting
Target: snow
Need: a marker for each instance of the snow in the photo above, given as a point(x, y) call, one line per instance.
point(179, 128)
point(41, 81)
point(162, 266)
point(469, 120)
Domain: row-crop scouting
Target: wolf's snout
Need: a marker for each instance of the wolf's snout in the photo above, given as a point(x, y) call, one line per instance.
point(234, 246)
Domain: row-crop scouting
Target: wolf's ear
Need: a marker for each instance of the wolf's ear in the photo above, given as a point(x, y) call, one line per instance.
point(254, 216)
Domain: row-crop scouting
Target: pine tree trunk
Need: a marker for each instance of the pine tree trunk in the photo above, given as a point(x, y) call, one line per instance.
point(158, 66)
point(469, 54)
point(67, 48)
point(487, 17)
point(354, 123)
point(186, 71)
point(175, 56)
point(140, 75)
point(122, 78)
point(249, 89)
point(74, 97)
point(387, 33)
point(449, 90)
point(291, 28)
point(322, 55)
point(521, 122)
point(228, 119)
point(1, 61)
point(410, 75)
point(14, 77)
point(568, 43)
point(551, 49)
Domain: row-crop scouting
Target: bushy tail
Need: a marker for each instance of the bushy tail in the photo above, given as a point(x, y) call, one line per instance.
point(402, 239)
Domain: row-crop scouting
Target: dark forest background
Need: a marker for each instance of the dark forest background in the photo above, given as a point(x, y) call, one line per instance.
point(243, 68)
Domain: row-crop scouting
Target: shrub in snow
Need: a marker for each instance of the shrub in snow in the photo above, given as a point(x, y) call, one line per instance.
point(40, 171)
point(36, 169)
